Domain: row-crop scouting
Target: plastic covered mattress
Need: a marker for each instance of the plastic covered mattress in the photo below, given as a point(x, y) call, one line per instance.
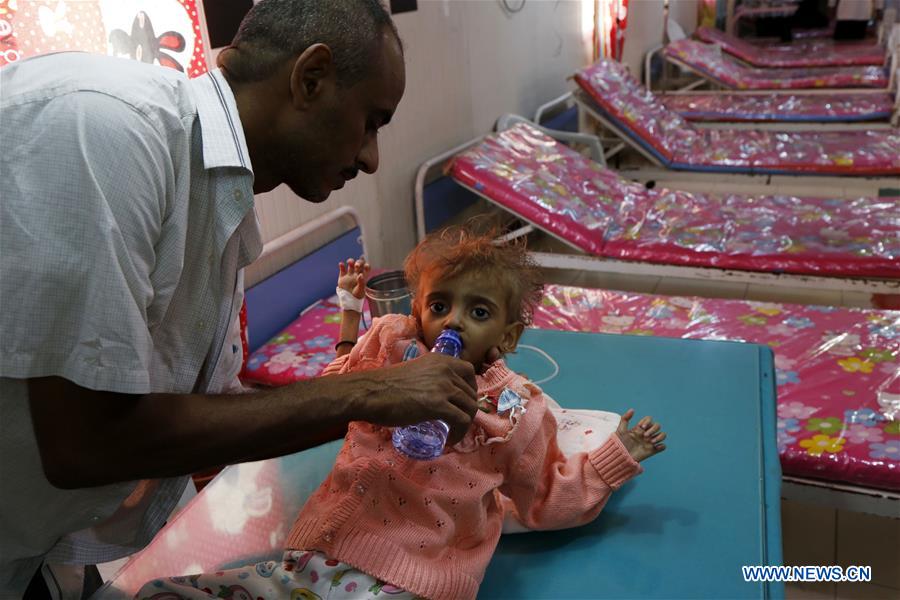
point(799, 54)
point(783, 107)
point(708, 60)
point(675, 143)
point(301, 350)
point(838, 369)
point(593, 208)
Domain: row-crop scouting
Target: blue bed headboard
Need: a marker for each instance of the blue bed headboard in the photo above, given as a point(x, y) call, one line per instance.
point(275, 302)
point(566, 120)
point(442, 199)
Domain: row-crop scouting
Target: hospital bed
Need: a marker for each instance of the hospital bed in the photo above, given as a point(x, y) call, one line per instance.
point(244, 514)
point(607, 224)
point(708, 62)
point(786, 110)
point(686, 540)
point(778, 8)
point(837, 369)
point(542, 182)
point(854, 352)
point(799, 33)
point(802, 54)
point(777, 111)
point(609, 94)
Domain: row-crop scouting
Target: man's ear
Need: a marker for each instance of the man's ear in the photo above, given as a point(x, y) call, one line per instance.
point(511, 336)
point(313, 71)
point(222, 57)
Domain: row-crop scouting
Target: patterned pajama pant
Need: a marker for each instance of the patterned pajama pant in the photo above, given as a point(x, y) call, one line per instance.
point(301, 575)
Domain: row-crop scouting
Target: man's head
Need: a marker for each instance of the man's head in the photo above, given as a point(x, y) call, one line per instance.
point(314, 82)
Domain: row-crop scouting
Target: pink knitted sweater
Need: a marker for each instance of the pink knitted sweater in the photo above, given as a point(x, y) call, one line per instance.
point(431, 527)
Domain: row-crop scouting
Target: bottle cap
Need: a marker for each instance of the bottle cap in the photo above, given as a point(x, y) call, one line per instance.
point(450, 334)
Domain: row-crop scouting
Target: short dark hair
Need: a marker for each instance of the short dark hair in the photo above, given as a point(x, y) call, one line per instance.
point(462, 249)
point(275, 31)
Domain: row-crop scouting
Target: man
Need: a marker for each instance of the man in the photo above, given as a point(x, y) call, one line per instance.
point(126, 217)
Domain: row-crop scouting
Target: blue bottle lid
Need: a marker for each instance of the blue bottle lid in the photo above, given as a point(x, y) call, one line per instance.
point(450, 334)
point(448, 342)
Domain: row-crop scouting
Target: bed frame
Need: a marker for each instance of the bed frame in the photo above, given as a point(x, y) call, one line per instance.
point(830, 182)
point(889, 36)
point(275, 299)
point(892, 63)
point(447, 197)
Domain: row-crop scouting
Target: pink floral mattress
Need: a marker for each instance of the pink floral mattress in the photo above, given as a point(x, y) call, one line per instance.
point(568, 195)
point(838, 369)
point(302, 350)
point(708, 59)
point(678, 144)
point(799, 54)
point(780, 107)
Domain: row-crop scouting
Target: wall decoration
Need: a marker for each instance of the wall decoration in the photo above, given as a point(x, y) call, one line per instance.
point(163, 32)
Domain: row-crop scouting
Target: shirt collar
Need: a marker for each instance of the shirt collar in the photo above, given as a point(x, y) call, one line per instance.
point(224, 144)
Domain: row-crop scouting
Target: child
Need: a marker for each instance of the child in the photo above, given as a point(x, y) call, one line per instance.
point(384, 522)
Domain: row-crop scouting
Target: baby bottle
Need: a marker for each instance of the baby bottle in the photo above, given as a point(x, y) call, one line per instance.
point(426, 440)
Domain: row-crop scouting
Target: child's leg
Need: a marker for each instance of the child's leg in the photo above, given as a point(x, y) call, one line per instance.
point(262, 581)
point(301, 575)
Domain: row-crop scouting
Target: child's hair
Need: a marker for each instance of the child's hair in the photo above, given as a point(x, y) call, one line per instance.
point(458, 249)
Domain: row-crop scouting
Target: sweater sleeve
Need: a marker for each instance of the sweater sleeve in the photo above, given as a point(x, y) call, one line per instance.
point(373, 348)
point(550, 491)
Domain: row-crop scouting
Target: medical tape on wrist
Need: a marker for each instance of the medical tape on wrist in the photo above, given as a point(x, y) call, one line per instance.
point(348, 301)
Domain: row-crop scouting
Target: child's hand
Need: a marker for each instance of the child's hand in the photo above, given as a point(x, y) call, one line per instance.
point(352, 276)
point(643, 440)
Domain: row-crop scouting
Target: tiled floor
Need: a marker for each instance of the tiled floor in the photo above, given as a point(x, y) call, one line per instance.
point(813, 535)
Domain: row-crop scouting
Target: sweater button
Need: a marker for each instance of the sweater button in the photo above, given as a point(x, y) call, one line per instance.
point(360, 489)
point(329, 536)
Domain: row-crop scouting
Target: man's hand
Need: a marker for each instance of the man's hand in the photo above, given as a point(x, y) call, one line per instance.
point(643, 440)
point(433, 386)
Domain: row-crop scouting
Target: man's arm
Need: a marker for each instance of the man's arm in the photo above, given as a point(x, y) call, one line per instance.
point(89, 438)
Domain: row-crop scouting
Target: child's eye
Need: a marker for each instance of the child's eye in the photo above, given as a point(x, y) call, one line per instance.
point(481, 313)
point(437, 308)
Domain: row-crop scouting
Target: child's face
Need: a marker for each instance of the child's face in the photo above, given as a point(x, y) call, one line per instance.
point(473, 304)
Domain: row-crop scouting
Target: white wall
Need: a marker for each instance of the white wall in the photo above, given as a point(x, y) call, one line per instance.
point(467, 62)
point(685, 12)
point(645, 27)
